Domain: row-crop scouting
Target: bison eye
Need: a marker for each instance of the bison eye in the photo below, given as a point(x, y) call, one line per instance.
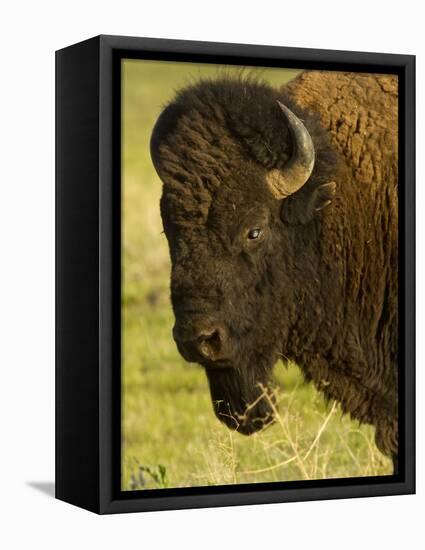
point(254, 233)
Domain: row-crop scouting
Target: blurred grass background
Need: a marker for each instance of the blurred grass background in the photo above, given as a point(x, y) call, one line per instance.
point(171, 437)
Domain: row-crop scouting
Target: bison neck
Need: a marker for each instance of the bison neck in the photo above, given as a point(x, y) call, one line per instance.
point(342, 337)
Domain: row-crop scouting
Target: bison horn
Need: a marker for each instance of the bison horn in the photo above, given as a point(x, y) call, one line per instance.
point(286, 181)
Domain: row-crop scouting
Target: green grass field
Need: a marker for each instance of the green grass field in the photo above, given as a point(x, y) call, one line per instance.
point(171, 437)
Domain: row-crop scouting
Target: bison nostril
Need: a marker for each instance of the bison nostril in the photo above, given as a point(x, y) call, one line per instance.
point(209, 344)
point(197, 339)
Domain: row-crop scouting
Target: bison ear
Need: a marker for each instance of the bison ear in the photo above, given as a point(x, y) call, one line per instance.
point(302, 207)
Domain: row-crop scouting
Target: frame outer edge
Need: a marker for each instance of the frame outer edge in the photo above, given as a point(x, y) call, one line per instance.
point(107, 377)
point(409, 267)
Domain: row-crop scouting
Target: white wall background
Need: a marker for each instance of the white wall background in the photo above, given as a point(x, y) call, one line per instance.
point(29, 33)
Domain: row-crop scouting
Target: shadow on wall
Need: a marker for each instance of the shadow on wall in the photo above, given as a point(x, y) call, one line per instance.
point(46, 487)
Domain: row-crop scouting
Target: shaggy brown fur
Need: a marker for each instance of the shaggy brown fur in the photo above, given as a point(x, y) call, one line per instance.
point(320, 285)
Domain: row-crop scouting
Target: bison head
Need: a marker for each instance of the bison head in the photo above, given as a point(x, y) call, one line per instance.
point(229, 154)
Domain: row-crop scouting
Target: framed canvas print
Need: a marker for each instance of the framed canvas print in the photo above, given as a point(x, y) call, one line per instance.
point(235, 274)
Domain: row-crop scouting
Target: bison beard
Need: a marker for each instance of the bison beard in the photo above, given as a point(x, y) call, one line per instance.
point(319, 286)
point(242, 401)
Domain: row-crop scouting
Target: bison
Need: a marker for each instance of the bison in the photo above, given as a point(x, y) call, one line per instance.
point(280, 208)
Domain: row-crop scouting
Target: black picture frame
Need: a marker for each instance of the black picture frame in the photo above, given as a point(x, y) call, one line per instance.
point(88, 271)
